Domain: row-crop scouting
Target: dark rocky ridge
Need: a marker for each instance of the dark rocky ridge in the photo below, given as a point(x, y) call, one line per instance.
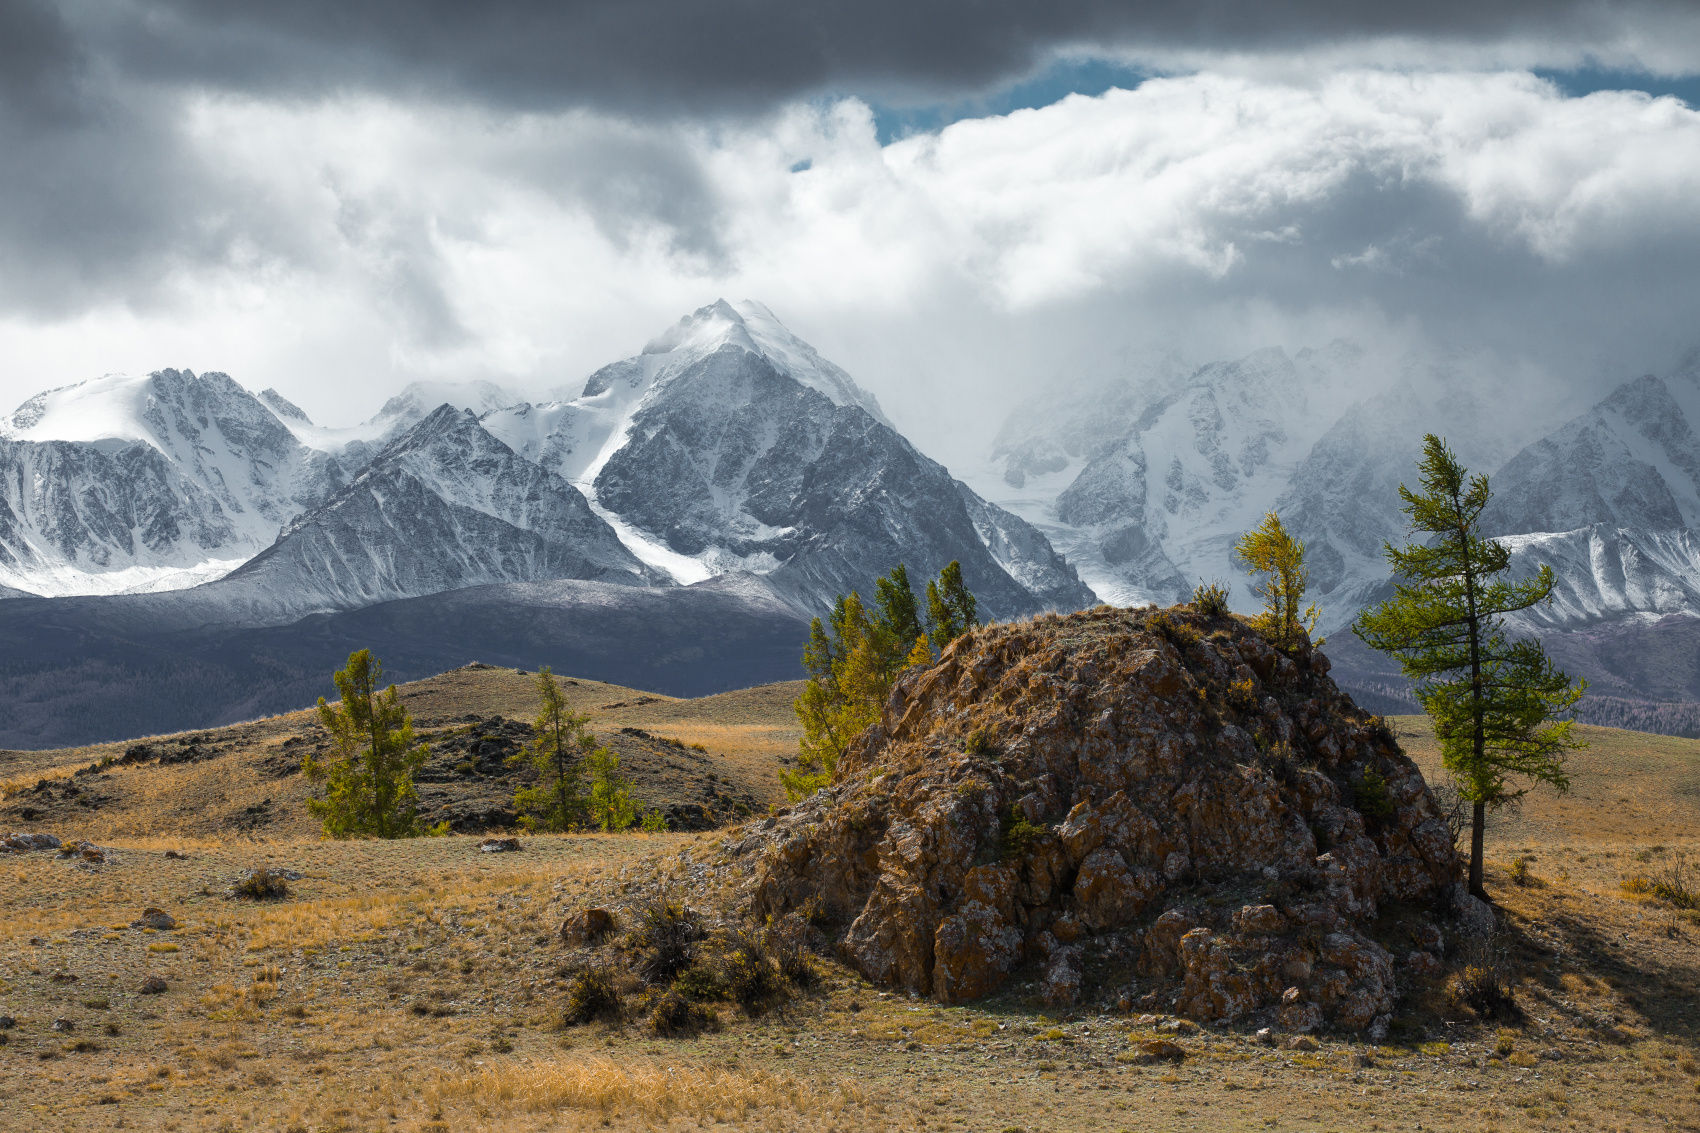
point(1163, 792)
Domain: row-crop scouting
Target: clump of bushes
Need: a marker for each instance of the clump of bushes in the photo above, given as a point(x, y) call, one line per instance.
point(261, 885)
point(1480, 988)
point(670, 1013)
point(703, 983)
point(752, 974)
point(1210, 599)
point(686, 970)
point(664, 939)
point(591, 994)
point(1019, 835)
point(1180, 633)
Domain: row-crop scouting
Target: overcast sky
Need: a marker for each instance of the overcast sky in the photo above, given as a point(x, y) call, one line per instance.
point(959, 202)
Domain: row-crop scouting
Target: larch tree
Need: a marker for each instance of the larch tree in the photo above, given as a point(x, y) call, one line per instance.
point(853, 658)
point(368, 777)
point(951, 609)
point(1268, 550)
point(561, 739)
point(1499, 705)
point(611, 804)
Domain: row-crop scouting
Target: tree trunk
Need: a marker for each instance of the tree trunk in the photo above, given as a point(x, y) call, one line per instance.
point(1478, 822)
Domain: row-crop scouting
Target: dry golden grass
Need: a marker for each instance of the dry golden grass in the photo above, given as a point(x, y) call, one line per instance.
point(641, 1088)
point(1624, 785)
point(418, 985)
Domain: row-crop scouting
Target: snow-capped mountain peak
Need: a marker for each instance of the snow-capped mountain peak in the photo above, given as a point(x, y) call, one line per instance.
point(751, 326)
point(158, 409)
point(417, 400)
point(124, 483)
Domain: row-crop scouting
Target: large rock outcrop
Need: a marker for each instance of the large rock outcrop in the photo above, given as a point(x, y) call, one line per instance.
point(1162, 788)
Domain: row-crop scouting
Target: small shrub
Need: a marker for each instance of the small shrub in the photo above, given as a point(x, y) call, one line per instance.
point(752, 975)
point(702, 982)
point(1520, 874)
point(979, 741)
point(672, 1014)
point(1454, 808)
point(591, 994)
point(1373, 800)
point(664, 940)
point(466, 767)
point(653, 822)
point(1019, 835)
point(1210, 599)
point(792, 955)
point(1479, 988)
point(261, 885)
point(1676, 884)
point(1505, 1043)
point(1243, 694)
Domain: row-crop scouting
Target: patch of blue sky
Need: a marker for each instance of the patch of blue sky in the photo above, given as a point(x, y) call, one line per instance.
point(1587, 80)
point(1086, 76)
point(1094, 76)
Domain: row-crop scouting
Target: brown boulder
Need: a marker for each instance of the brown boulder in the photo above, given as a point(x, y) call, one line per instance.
point(1148, 1051)
point(1259, 920)
point(587, 926)
point(1117, 777)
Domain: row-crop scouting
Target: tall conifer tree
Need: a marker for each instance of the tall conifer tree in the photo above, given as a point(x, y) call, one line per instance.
point(369, 788)
point(1495, 702)
point(561, 738)
point(951, 609)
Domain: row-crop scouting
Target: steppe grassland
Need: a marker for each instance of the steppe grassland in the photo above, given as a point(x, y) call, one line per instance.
point(742, 737)
point(417, 985)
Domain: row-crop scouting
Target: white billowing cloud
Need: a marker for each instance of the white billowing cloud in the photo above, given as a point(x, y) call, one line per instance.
point(1211, 213)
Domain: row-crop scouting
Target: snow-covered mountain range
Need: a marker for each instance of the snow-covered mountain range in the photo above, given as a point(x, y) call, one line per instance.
point(1145, 484)
point(727, 445)
point(729, 454)
point(1180, 464)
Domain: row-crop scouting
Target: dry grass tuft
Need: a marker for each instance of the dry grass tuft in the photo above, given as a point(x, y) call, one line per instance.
point(642, 1088)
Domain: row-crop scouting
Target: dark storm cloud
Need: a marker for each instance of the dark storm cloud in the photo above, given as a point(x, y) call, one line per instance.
point(691, 57)
point(361, 145)
point(95, 183)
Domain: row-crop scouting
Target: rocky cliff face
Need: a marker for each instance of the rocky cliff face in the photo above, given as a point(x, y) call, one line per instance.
point(1164, 792)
